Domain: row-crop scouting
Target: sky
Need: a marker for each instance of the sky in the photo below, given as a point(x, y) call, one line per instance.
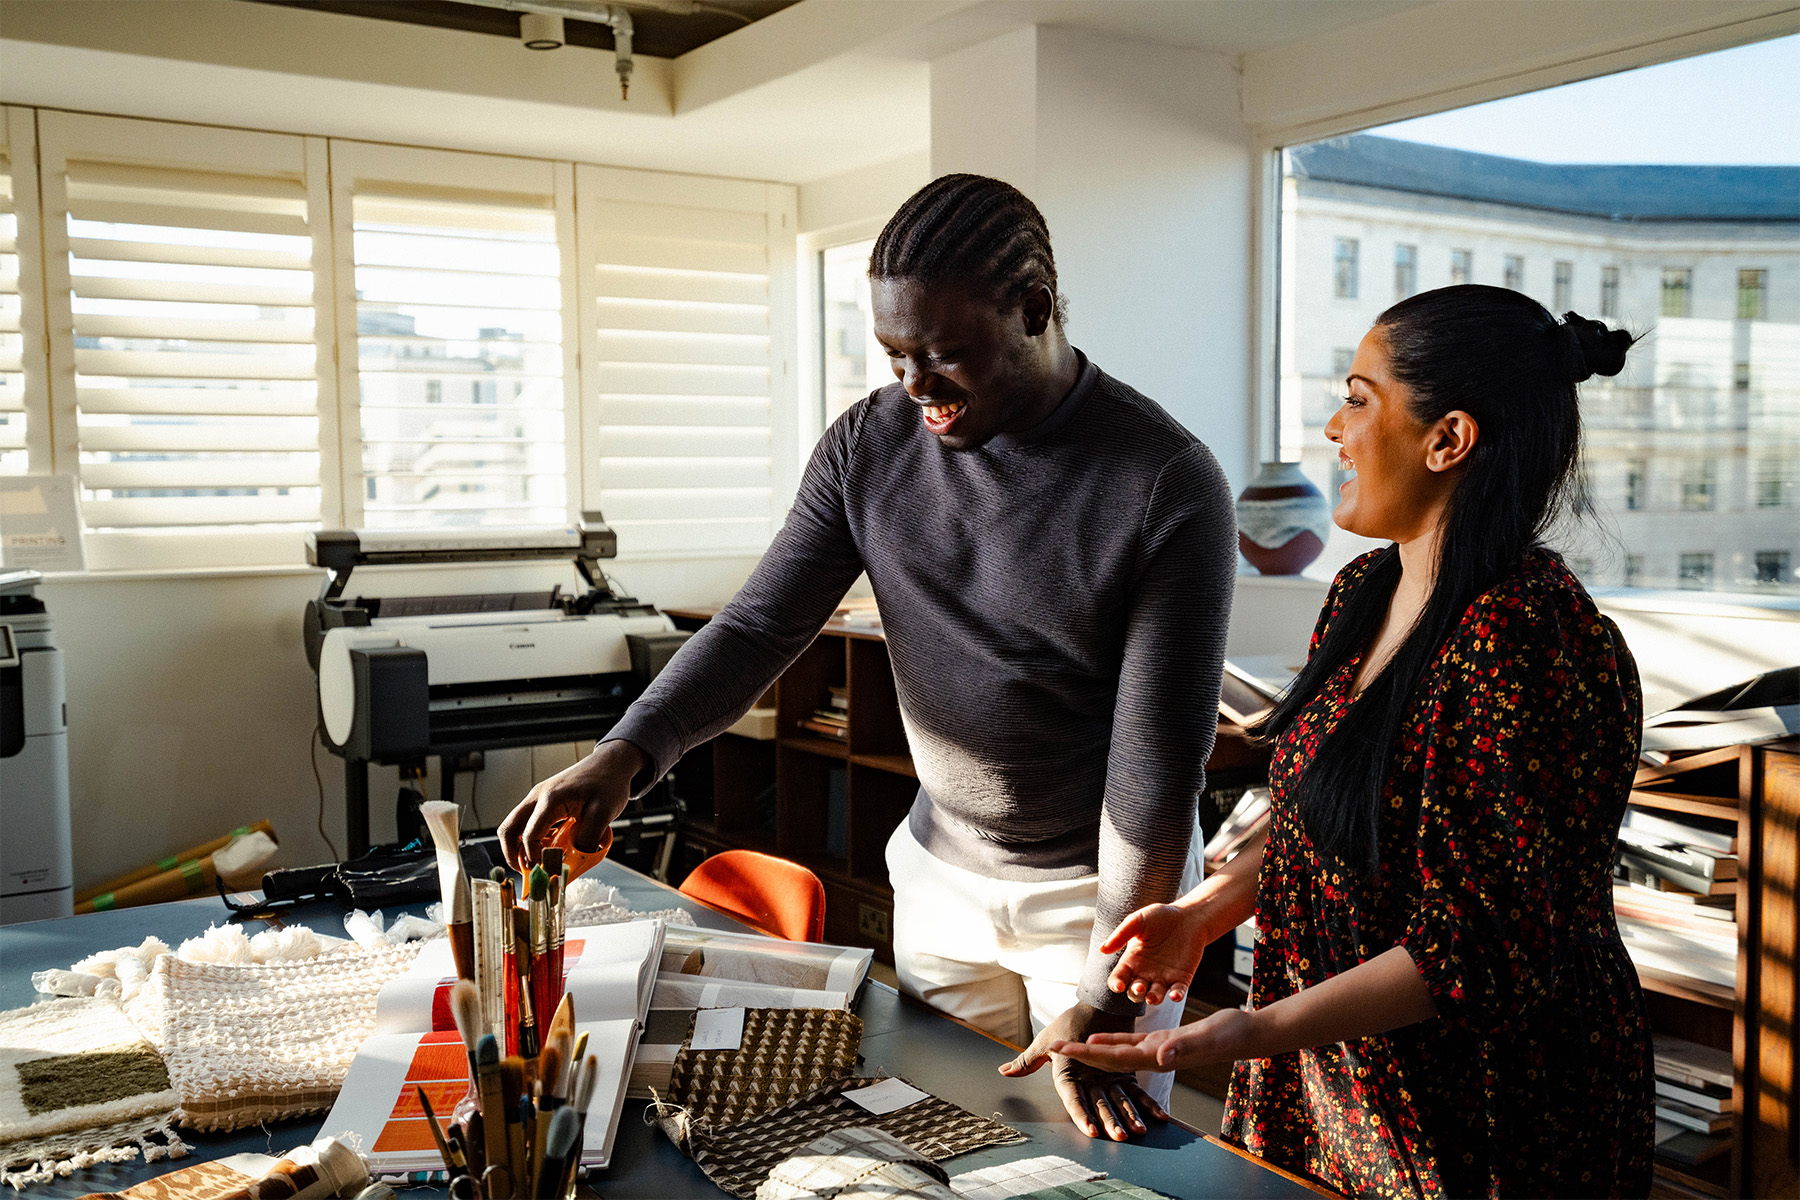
point(1734, 107)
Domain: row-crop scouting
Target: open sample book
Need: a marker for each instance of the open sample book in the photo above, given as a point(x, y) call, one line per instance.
point(703, 968)
point(608, 974)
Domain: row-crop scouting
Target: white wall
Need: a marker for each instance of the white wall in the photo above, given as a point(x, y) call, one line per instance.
point(191, 704)
point(1138, 158)
point(866, 194)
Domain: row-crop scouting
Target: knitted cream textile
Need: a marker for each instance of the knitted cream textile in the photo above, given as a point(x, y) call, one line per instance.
point(261, 1042)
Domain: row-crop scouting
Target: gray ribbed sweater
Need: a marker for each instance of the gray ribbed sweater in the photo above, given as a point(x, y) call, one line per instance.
point(1055, 605)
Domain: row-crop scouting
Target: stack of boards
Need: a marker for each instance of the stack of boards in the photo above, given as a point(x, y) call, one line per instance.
point(1694, 1102)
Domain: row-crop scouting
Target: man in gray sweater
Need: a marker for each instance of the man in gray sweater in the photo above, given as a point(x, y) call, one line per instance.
point(1053, 557)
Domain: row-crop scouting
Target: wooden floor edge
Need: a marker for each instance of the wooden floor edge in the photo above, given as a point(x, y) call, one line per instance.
point(1309, 1184)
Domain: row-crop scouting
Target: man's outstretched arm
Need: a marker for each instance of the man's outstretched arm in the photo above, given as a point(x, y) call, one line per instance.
point(715, 678)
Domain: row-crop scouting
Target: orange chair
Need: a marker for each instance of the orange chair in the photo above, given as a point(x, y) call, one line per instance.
point(777, 897)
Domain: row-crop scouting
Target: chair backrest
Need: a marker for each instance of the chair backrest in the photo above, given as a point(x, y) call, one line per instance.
point(782, 899)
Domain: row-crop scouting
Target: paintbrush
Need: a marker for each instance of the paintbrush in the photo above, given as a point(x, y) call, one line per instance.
point(493, 1116)
point(445, 822)
point(579, 1100)
point(465, 1010)
point(558, 1145)
point(562, 1033)
point(512, 1087)
point(580, 1046)
point(527, 1123)
point(509, 946)
point(528, 1038)
point(550, 1068)
point(553, 866)
point(437, 1134)
point(538, 884)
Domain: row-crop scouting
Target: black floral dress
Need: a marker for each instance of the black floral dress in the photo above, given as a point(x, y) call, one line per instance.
point(1504, 797)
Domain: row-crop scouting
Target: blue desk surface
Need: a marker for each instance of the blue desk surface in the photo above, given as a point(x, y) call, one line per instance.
point(900, 1036)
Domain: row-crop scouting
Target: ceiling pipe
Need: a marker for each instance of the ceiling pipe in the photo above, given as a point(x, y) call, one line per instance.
point(541, 26)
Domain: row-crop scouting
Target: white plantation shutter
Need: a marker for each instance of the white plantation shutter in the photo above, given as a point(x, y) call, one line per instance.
point(687, 344)
point(457, 304)
point(24, 424)
point(184, 260)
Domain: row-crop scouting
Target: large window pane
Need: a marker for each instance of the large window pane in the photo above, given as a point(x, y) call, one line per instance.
point(854, 362)
point(1669, 228)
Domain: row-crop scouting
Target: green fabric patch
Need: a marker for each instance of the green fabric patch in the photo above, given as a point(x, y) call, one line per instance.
point(96, 1077)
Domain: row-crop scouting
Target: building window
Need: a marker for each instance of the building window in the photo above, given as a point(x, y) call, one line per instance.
point(434, 391)
point(1565, 288)
point(1609, 291)
point(1677, 292)
point(1696, 570)
point(1773, 566)
point(1634, 570)
point(1637, 485)
point(1462, 266)
point(1515, 272)
point(1699, 483)
point(1406, 271)
point(1740, 376)
point(1343, 268)
point(1753, 295)
point(1775, 482)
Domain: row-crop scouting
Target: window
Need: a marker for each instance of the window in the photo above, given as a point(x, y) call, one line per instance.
point(1462, 266)
point(458, 283)
point(1406, 271)
point(193, 424)
point(1343, 259)
point(1696, 444)
point(1637, 485)
point(854, 362)
point(1696, 570)
point(1515, 272)
point(1774, 566)
point(1699, 481)
point(1677, 292)
point(693, 293)
point(1752, 294)
point(14, 458)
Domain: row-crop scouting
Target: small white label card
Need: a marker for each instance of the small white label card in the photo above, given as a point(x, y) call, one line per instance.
point(40, 523)
point(718, 1029)
point(890, 1095)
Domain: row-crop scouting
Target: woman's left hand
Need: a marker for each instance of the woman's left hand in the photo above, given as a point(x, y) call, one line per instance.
point(1225, 1036)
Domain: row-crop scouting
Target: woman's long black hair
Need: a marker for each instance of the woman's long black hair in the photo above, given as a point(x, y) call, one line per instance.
point(1503, 359)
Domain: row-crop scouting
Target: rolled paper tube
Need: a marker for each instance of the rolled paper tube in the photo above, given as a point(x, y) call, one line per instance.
point(172, 862)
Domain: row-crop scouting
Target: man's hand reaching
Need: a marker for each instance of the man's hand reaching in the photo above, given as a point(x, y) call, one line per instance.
point(1095, 1099)
point(592, 792)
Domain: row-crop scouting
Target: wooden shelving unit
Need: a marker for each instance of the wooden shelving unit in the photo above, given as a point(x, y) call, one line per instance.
point(832, 805)
point(1759, 787)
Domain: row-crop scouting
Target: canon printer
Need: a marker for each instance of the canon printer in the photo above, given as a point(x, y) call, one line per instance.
point(404, 678)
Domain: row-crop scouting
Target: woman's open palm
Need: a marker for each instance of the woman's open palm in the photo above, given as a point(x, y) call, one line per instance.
point(1162, 945)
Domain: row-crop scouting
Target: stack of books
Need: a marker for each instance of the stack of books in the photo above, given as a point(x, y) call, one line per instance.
point(833, 719)
point(1694, 1103)
point(1674, 894)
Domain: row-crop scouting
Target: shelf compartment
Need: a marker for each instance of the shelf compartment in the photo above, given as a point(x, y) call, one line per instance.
point(875, 724)
point(743, 783)
point(894, 764)
point(806, 685)
point(879, 801)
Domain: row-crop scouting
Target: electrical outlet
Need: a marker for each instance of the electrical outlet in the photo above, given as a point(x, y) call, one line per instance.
point(474, 760)
point(873, 923)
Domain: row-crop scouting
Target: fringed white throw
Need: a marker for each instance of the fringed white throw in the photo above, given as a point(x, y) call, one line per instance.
point(78, 1086)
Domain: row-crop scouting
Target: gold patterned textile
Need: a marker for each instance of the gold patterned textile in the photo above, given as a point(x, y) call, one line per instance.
point(786, 1053)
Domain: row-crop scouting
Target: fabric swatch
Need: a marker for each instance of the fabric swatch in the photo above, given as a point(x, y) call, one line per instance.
point(1004, 1181)
point(859, 1162)
point(786, 1053)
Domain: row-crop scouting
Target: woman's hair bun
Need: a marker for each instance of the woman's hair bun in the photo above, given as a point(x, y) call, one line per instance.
point(1594, 349)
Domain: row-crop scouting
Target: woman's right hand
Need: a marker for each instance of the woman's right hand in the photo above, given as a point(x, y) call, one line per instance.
point(1162, 945)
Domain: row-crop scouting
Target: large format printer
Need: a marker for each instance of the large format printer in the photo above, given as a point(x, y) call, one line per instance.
point(404, 678)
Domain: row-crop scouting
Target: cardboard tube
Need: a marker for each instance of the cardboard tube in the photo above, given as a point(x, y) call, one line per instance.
point(171, 863)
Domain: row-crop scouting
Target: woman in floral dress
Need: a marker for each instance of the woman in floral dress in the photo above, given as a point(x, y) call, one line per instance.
point(1442, 1005)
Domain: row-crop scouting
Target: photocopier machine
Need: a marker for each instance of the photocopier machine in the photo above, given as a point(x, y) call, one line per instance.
point(405, 678)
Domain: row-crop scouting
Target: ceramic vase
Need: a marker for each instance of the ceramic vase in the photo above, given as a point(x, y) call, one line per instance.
point(1283, 520)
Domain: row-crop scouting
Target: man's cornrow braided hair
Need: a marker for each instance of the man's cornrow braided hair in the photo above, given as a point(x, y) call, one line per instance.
point(974, 230)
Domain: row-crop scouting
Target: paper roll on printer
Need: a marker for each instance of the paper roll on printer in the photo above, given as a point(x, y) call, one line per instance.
point(35, 869)
point(401, 678)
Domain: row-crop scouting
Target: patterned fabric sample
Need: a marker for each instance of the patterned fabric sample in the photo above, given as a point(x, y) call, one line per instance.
point(1504, 795)
point(1020, 1177)
point(1095, 1190)
point(79, 1085)
point(786, 1053)
point(859, 1162)
point(740, 1157)
point(249, 1043)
